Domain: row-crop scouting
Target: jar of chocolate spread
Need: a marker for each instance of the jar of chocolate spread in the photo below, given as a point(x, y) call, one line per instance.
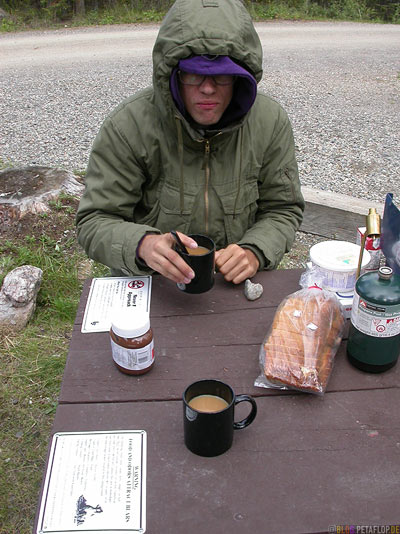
point(132, 343)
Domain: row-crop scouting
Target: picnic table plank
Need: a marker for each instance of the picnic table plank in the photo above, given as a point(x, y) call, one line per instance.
point(220, 338)
point(91, 376)
point(304, 464)
point(167, 299)
point(332, 222)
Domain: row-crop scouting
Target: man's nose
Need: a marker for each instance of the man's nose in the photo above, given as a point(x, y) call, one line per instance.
point(208, 86)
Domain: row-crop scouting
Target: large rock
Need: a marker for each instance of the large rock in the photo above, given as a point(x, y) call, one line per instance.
point(18, 297)
point(29, 190)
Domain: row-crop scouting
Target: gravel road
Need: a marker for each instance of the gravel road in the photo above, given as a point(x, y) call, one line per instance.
point(339, 82)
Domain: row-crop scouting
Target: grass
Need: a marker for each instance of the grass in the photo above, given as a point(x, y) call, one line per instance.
point(32, 361)
point(32, 366)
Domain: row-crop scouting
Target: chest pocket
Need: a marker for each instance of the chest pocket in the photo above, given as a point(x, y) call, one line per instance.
point(169, 215)
point(242, 216)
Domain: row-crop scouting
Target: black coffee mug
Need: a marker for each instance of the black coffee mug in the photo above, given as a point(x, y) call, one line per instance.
point(208, 416)
point(203, 264)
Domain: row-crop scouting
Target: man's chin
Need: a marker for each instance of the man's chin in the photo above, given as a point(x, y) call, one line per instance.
point(206, 121)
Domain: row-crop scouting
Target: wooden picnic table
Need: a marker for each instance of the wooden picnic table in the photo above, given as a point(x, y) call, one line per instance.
point(306, 463)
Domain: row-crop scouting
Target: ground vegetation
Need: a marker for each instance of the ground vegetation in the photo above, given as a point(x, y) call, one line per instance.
point(39, 14)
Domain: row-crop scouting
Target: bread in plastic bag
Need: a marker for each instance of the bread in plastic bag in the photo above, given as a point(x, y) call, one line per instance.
point(300, 346)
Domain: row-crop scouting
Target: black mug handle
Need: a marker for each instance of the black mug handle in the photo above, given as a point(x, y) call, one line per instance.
point(250, 418)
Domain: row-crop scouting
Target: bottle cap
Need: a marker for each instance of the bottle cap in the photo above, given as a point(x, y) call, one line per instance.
point(132, 323)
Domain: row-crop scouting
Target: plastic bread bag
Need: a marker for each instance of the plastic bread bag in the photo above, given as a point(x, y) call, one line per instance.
point(299, 349)
point(311, 277)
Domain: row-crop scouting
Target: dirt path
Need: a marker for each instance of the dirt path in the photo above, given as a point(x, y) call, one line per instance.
point(71, 46)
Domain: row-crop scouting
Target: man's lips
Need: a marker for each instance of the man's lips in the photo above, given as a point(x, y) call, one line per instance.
point(207, 105)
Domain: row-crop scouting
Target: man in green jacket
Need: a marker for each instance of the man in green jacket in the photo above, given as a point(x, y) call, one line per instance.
point(201, 152)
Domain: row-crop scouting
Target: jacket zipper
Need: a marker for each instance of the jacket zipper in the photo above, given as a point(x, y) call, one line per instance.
point(207, 176)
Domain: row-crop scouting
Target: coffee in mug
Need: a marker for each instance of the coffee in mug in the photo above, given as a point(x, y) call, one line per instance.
point(208, 403)
point(199, 251)
point(208, 416)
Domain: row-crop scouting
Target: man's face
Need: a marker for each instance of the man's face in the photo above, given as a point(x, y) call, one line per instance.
point(207, 102)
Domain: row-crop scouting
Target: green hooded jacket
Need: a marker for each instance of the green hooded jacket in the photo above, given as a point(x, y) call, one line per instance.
point(151, 171)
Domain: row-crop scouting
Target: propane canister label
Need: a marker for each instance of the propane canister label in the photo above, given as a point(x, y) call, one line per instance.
point(375, 319)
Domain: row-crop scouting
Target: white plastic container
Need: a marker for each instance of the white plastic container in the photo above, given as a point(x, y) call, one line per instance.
point(336, 262)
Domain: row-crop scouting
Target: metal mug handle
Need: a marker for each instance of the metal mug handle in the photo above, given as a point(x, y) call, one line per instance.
point(250, 418)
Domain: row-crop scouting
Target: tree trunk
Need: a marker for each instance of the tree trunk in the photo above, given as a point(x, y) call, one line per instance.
point(29, 190)
point(79, 7)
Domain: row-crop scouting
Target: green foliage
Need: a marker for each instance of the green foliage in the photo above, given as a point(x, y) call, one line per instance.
point(56, 10)
point(52, 13)
point(7, 25)
point(351, 10)
point(118, 14)
point(396, 14)
point(357, 10)
point(34, 14)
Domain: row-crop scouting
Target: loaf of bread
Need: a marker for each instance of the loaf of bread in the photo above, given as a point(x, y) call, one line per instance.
point(304, 337)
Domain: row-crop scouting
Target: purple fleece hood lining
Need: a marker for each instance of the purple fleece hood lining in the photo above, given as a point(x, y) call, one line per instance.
point(244, 92)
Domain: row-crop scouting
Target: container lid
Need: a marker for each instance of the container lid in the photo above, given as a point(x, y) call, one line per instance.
point(130, 323)
point(340, 256)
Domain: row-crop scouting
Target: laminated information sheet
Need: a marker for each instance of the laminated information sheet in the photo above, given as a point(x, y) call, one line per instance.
point(95, 482)
point(110, 293)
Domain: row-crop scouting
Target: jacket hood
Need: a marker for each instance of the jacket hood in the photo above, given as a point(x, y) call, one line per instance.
point(203, 27)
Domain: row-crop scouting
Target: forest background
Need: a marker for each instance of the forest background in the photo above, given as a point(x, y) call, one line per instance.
point(38, 14)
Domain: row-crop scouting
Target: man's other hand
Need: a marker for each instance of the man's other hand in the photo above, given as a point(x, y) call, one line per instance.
point(236, 263)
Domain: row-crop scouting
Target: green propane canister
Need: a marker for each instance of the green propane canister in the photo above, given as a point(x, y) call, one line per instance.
point(374, 338)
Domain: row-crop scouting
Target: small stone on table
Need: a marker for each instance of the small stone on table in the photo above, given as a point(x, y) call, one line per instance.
point(252, 291)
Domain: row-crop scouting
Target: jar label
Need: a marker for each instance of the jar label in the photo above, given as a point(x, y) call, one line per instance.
point(374, 319)
point(133, 359)
point(336, 280)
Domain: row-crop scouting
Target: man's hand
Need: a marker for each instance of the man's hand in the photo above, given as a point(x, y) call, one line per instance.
point(236, 263)
point(158, 253)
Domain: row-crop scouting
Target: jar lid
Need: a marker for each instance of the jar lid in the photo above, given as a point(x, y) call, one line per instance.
point(131, 323)
point(338, 256)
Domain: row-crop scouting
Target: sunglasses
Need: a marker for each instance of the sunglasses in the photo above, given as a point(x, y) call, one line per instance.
point(188, 78)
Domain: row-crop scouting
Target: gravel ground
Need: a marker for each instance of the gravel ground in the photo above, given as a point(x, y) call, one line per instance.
point(343, 103)
point(345, 113)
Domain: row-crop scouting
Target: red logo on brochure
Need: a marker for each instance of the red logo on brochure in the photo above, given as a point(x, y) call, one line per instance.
point(135, 284)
